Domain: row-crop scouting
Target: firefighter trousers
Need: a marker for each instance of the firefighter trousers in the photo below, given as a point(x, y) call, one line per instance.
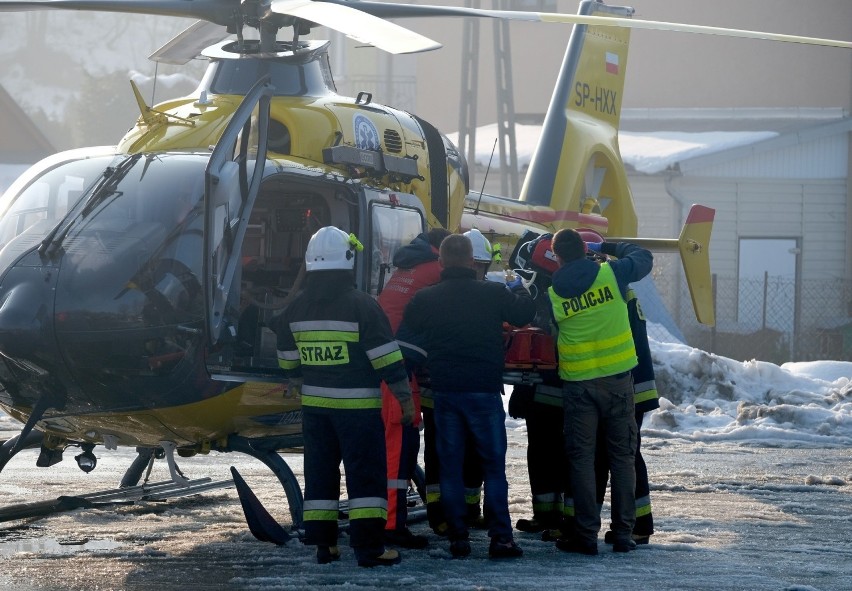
point(355, 437)
point(546, 463)
point(403, 445)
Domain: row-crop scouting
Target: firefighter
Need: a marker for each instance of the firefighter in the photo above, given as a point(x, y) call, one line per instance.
point(541, 406)
point(416, 267)
point(336, 345)
point(596, 355)
point(460, 324)
point(646, 399)
point(546, 462)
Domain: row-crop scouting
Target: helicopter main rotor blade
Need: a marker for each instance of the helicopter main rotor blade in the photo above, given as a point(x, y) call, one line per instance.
point(215, 11)
point(226, 12)
point(189, 43)
point(356, 24)
point(395, 10)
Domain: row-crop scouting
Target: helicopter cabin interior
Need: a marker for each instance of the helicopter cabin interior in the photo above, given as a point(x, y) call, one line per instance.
point(285, 215)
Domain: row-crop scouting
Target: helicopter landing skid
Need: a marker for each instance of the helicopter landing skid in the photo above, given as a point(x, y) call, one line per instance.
point(158, 491)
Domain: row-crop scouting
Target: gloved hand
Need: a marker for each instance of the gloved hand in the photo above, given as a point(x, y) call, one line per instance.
point(517, 286)
point(594, 246)
point(294, 387)
point(521, 401)
point(407, 412)
point(402, 392)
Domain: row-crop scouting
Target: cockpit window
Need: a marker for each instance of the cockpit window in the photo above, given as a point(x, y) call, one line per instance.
point(150, 191)
point(145, 192)
point(44, 202)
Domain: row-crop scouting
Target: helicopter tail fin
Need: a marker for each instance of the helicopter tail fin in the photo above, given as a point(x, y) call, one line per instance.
point(577, 167)
point(694, 247)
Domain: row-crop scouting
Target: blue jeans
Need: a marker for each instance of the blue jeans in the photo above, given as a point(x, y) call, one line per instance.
point(477, 418)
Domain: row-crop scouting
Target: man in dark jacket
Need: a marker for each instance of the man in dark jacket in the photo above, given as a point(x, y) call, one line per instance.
point(459, 324)
point(596, 355)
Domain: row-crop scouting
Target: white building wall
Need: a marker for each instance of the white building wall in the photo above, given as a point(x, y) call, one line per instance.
point(823, 158)
point(810, 211)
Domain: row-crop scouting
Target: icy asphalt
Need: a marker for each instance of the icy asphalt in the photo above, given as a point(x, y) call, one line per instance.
point(728, 516)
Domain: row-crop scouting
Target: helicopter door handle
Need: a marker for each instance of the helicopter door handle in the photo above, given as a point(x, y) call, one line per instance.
point(188, 329)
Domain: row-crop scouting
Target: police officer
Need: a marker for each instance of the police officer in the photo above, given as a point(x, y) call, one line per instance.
point(596, 354)
point(336, 345)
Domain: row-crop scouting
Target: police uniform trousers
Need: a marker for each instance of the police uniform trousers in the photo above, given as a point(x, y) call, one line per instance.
point(403, 445)
point(355, 437)
point(644, 518)
point(607, 401)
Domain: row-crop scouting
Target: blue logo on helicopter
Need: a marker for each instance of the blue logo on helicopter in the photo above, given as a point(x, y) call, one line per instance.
point(366, 134)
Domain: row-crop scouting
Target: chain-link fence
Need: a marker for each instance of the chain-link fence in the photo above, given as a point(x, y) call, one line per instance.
point(766, 318)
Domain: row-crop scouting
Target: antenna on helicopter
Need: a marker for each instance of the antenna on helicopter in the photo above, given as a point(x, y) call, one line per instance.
point(485, 178)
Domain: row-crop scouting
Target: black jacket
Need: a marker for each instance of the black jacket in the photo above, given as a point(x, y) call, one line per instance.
point(459, 324)
point(347, 354)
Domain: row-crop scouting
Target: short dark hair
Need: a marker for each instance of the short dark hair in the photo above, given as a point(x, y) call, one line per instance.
point(456, 251)
point(568, 244)
point(436, 236)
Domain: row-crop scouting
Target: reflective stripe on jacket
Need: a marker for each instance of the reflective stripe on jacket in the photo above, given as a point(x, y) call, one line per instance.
point(342, 347)
point(645, 394)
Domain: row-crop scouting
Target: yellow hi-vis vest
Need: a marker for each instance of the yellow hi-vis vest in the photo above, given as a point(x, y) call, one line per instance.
point(594, 331)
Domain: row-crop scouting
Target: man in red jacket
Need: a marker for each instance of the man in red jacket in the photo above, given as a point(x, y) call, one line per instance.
point(416, 267)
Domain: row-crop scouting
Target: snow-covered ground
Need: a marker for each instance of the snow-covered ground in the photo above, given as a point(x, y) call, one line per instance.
point(751, 483)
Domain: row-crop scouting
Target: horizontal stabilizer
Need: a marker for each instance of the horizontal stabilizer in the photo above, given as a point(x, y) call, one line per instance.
point(693, 245)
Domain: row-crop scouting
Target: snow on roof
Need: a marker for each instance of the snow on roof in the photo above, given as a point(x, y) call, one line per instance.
point(647, 152)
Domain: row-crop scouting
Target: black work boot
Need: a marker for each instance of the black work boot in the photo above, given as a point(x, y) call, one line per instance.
point(502, 547)
point(405, 539)
point(326, 554)
point(387, 558)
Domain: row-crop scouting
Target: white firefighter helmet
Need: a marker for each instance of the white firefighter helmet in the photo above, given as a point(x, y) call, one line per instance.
point(331, 248)
point(483, 252)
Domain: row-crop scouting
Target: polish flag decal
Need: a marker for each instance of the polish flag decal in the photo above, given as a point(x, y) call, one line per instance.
point(611, 62)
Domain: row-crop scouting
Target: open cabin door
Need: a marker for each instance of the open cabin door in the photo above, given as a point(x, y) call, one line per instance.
point(232, 181)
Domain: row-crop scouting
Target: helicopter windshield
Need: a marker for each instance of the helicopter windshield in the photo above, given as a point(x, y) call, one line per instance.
point(32, 211)
point(150, 191)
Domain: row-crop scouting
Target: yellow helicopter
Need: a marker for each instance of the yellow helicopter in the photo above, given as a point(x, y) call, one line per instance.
point(138, 282)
